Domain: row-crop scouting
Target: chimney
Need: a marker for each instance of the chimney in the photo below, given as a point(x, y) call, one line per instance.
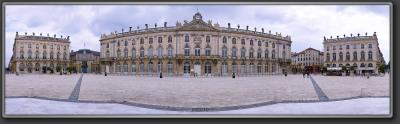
point(358, 35)
point(16, 34)
point(351, 35)
point(344, 35)
point(48, 35)
point(55, 35)
point(337, 37)
point(324, 38)
point(122, 30)
point(33, 33)
point(155, 25)
point(374, 33)
point(269, 31)
point(68, 37)
point(238, 26)
point(366, 33)
point(26, 33)
point(40, 34)
point(255, 29)
point(61, 36)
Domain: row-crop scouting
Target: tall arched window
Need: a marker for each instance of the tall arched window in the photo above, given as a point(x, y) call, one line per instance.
point(58, 55)
point(150, 52)
point(251, 53)
point(170, 39)
point(243, 68)
point(243, 53)
point(259, 68)
point(362, 55)
point(186, 68)
point(141, 52)
point(159, 67)
point(126, 53)
point(51, 55)
point(133, 53)
point(44, 55)
point(283, 54)
point(29, 54)
point(118, 53)
point(340, 56)
point(141, 41)
point(207, 68)
point(170, 67)
point(259, 53)
point(65, 56)
point(37, 54)
point(37, 67)
point(125, 67)
point(266, 54)
point(355, 56)
point(159, 39)
point(243, 42)
point(224, 51)
point(107, 54)
point(370, 55)
point(234, 67)
point(224, 68)
point(251, 42)
point(170, 50)
point(224, 40)
point(141, 67)
point(259, 43)
point(333, 56)
point(160, 51)
point(266, 43)
point(126, 43)
point(234, 52)
point(208, 50)
point(347, 56)
point(150, 40)
point(186, 38)
point(133, 66)
point(273, 45)
point(273, 54)
point(150, 67)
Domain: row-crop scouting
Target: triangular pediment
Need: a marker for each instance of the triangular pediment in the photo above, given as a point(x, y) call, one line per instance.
point(197, 25)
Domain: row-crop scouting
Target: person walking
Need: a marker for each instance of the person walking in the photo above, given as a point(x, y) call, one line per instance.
point(304, 73)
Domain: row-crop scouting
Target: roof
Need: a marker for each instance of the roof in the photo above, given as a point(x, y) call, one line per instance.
point(302, 52)
point(87, 51)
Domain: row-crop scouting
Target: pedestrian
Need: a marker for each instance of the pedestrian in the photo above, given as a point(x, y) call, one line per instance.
point(308, 74)
point(304, 74)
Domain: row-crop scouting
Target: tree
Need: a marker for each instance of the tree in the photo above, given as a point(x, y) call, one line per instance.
point(381, 68)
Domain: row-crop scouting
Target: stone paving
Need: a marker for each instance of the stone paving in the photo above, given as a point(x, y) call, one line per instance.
point(33, 85)
point(195, 94)
point(353, 86)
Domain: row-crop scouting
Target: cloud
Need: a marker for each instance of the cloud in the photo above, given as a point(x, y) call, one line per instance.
point(306, 24)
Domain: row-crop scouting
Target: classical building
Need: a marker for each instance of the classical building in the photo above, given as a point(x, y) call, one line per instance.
point(194, 47)
point(39, 54)
point(85, 61)
point(309, 57)
point(361, 52)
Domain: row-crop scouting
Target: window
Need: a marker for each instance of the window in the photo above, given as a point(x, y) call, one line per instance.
point(150, 52)
point(58, 55)
point(133, 70)
point(118, 44)
point(208, 39)
point(370, 46)
point(44, 55)
point(234, 67)
point(126, 53)
point(207, 68)
point(187, 50)
point(197, 51)
point(251, 42)
point(142, 52)
point(266, 54)
point(333, 56)
point(170, 67)
point(234, 51)
point(354, 56)
point(160, 51)
point(37, 54)
point(159, 39)
point(169, 39)
point(118, 53)
point(224, 40)
point(362, 55)
point(362, 65)
point(65, 56)
point(170, 51)
point(233, 40)
point(186, 68)
point(224, 68)
point(243, 53)
point(29, 54)
point(208, 51)
point(327, 48)
point(224, 51)
point(273, 54)
point(347, 56)
point(108, 45)
point(370, 65)
point(150, 40)
point(126, 43)
point(347, 46)
point(284, 55)
point(141, 67)
point(259, 43)
point(284, 46)
point(266, 44)
point(133, 53)
point(355, 65)
point(65, 47)
point(259, 54)
point(186, 38)
point(243, 68)
point(370, 55)
point(273, 45)
point(21, 67)
point(243, 42)
point(159, 67)
point(362, 46)
point(251, 53)
point(141, 41)
point(133, 42)
point(340, 56)
point(327, 57)
point(107, 54)
point(44, 46)
point(259, 68)
point(150, 67)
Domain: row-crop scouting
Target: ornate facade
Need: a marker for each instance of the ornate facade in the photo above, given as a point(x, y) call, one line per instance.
point(39, 54)
point(194, 47)
point(361, 52)
point(85, 61)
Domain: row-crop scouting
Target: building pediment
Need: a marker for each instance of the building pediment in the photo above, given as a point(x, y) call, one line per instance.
point(197, 24)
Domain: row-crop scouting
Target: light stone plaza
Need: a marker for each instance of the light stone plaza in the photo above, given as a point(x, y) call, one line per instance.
point(196, 67)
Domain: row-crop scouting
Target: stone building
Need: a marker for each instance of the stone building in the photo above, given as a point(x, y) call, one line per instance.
point(194, 47)
point(39, 54)
point(85, 61)
point(361, 52)
point(309, 57)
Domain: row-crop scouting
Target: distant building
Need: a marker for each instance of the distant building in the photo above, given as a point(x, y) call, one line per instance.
point(85, 61)
point(39, 54)
point(309, 57)
point(360, 52)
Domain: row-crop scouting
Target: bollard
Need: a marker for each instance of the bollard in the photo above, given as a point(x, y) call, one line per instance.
point(160, 75)
point(105, 73)
point(233, 75)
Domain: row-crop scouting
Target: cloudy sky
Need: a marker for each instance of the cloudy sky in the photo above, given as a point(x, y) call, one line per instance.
point(306, 24)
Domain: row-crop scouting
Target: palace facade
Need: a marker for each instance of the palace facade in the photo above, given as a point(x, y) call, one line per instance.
point(39, 54)
point(194, 47)
point(85, 61)
point(361, 52)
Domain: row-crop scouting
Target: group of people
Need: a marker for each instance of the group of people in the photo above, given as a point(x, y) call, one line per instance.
point(306, 73)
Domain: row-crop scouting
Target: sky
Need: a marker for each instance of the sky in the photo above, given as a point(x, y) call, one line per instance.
point(306, 24)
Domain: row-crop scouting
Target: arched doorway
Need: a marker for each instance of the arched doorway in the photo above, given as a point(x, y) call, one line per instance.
point(207, 69)
point(197, 68)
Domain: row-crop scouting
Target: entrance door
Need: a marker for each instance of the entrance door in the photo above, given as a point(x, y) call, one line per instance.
point(197, 68)
point(84, 67)
point(186, 69)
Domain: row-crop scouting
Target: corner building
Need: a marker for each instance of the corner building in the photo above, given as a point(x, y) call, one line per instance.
point(194, 47)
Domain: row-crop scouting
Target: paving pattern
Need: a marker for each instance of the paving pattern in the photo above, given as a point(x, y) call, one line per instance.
point(318, 90)
point(75, 93)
